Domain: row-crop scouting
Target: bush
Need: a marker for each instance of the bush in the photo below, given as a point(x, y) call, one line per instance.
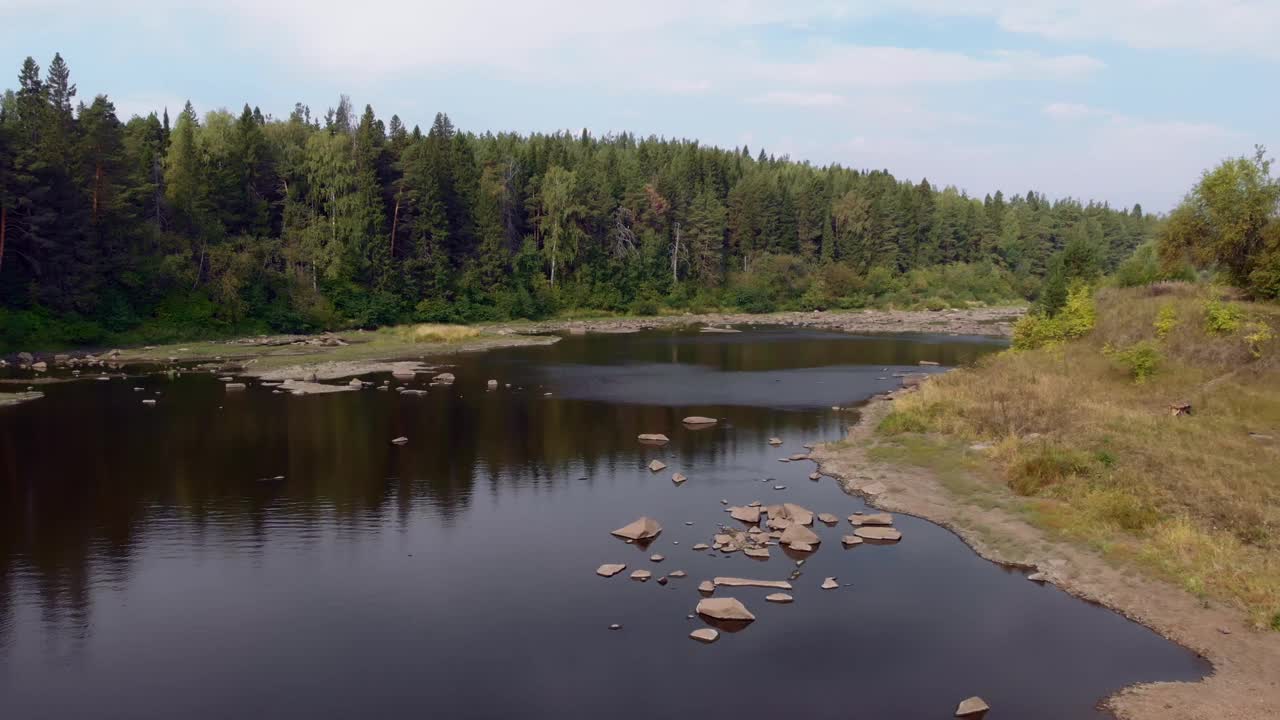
point(1140, 361)
point(1048, 466)
point(1257, 334)
point(1076, 318)
point(1221, 317)
point(645, 304)
point(1166, 321)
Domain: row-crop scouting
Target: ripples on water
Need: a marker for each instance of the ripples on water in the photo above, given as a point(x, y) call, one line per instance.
point(147, 571)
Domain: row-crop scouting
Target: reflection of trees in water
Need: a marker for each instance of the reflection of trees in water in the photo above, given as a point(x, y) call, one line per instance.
point(88, 476)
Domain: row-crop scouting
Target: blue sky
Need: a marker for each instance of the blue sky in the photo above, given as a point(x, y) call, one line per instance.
point(1118, 100)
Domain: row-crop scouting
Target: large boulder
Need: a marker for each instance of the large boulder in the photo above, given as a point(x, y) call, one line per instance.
point(724, 609)
point(643, 528)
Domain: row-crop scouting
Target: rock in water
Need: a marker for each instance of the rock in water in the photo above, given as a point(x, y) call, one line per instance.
point(677, 478)
point(656, 558)
point(758, 553)
point(701, 546)
point(797, 533)
point(724, 609)
point(828, 518)
point(493, 385)
point(779, 598)
point(400, 441)
point(745, 514)
point(874, 519)
point(705, 635)
point(801, 547)
point(744, 582)
point(878, 533)
point(830, 584)
point(444, 378)
point(850, 540)
point(698, 421)
point(641, 529)
point(356, 383)
point(234, 386)
point(706, 586)
point(775, 441)
point(677, 574)
point(653, 438)
point(972, 706)
point(641, 575)
point(656, 465)
point(610, 569)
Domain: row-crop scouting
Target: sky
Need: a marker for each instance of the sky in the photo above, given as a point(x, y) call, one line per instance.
point(1123, 101)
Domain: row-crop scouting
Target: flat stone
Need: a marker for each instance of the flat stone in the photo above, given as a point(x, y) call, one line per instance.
point(1038, 577)
point(828, 518)
point(656, 558)
point(797, 514)
point(797, 533)
point(641, 575)
point(492, 385)
point(775, 441)
point(706, 586)
point(301, 387)
point(678, 574)
point(400, 441)
point(874, 488)
point(972, 706)
point(656, 465)
point(701, 546)
point(724, 609)
point(610, 569)
point(779, 598)
point(830, 584)
point(760, 553)
point(705, 635)
point(642, 528)
point(745, 582)
point(745, 514)
point(858, 520)
point(801, 547)
point(798, 457)
point(878, 533)
point(148, 402)
point(815, 476)
point(699, 421)
point(678, 478)
point(444, 378)
point(850, 540)
point(653, 438)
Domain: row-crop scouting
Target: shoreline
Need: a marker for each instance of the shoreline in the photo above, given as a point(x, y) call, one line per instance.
point(1245, 681)
point(332, 356)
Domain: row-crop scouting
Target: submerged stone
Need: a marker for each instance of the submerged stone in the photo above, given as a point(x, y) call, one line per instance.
point(878, 533)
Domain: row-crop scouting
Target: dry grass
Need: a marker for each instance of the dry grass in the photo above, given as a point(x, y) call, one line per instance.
point(437, 333)
point(1195, 498)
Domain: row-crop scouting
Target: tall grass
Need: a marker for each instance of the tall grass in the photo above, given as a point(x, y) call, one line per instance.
point(432, 333)
point(1195, 498)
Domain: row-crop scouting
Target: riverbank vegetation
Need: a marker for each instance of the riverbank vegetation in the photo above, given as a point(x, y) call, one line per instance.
point(149, 229)
point(1145, 421)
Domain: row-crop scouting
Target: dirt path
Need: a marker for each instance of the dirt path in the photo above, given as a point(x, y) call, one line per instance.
point(1245, 684)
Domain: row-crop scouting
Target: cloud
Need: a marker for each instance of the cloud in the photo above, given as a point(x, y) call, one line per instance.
point(1069, 111)
point(800, 99)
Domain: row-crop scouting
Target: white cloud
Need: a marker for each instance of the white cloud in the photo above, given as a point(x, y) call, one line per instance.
point(1069, 111)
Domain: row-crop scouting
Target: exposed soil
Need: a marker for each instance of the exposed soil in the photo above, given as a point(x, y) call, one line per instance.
point(1245, 684)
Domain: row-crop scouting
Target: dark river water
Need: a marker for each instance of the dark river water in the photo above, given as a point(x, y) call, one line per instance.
point(146, 572)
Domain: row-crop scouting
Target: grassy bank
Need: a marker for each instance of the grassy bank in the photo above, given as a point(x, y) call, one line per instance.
point(1083, 433)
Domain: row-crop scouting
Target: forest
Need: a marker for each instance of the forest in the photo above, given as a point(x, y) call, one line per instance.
point(155, 228)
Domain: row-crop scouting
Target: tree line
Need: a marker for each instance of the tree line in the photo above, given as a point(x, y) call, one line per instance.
point(216, 223)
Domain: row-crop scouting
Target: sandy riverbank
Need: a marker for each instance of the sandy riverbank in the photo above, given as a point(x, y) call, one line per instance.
point(1245, 684)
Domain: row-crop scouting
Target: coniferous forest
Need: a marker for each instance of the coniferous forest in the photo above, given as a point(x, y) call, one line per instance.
point(205, 224)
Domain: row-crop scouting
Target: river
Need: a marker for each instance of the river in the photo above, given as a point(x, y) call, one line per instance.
point(152, 567)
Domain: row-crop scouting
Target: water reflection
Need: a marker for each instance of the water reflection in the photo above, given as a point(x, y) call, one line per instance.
point(131, 535)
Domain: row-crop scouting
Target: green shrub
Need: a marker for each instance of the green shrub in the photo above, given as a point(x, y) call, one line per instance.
point(1075, 319)
point(1166, 321)
point(1257, 334)
point(1221, 317)
point(1140, 360)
